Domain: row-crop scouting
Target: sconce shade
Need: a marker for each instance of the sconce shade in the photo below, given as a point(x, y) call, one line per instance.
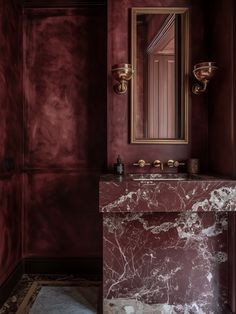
point(203, 72)
point(122, 73)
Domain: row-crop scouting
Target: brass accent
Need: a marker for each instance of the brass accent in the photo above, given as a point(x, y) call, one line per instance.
point(185, 72)
point(174, 163)
point(203, 72)
point(178, 163)
point(170, 163)
point(193, 166)
point(141, 163)
point(122, 73)
point(158, 164)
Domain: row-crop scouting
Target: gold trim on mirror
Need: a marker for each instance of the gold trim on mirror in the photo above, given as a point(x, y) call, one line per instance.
point(184, 74)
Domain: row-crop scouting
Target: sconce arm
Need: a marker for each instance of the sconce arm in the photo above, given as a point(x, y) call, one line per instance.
point(203, 72)
point(121, 87)
point(199, 89)
point(122, 73)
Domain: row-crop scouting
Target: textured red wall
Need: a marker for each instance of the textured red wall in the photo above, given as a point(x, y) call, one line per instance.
point(10, 135)
point(61, 215)
point(222, 124)
point(222, 113)
point(65, 133)
point(10, 225)
point(118, 105)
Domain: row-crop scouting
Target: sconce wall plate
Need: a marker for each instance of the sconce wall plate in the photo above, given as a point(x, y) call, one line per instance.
point(203, 72)
point(122, 73)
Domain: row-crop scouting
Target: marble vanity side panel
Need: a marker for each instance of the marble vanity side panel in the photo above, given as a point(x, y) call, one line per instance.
point(167, 196)
point(165, 263)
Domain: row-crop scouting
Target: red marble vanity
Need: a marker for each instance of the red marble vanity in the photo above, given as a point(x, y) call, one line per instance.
point(165, 243)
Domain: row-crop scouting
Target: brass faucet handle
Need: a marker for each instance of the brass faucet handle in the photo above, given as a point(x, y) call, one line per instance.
point(141, 163)
point(174, 163)
point(177, 163)
point(170, 163)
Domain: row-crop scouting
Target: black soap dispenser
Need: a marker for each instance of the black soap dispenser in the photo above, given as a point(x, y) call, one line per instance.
point(119, 166)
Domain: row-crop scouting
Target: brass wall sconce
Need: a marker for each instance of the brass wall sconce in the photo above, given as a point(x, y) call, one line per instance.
point(203, 72)
point(122, 73)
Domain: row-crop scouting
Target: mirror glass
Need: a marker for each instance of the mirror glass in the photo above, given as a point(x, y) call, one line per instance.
point(160, 57)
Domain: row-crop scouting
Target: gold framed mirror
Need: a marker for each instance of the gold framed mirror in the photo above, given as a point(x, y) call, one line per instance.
point(160, 87)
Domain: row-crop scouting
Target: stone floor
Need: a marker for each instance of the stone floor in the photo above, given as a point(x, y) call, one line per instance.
point(69, 300)
point(36, 294)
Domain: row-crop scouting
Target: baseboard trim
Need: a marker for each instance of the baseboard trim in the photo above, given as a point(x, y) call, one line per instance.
point(10, 283)
point(85, 267)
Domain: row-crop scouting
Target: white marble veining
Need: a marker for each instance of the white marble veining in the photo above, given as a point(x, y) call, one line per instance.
point(183, 253)
point(132, 306)
point(171, 196)
point(222, 199)
point(165, 244)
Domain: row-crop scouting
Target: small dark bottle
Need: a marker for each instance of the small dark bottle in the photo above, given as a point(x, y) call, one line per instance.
point(119, 166)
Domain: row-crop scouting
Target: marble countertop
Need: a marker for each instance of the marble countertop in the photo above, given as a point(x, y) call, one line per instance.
point(191, 193)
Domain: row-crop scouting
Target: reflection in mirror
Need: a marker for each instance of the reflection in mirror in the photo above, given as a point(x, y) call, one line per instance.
point(159, 88)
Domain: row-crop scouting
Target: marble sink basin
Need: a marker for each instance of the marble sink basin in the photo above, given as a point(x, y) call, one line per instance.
point(159, 176)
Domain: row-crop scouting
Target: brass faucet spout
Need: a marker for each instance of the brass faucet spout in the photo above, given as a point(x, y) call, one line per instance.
point(158, 164)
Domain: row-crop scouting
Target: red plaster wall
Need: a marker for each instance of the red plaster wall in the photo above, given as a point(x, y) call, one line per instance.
point(65, 130)
point(10, 225)
point(61, 215)
point(222, 112)
point(119, 39)
point(222, 124)
point(10, 135)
